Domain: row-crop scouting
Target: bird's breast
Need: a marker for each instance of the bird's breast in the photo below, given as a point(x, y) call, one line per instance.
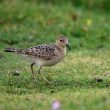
point(50, 62)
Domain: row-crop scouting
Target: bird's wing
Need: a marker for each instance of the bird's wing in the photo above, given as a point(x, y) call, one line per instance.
point(46, 52)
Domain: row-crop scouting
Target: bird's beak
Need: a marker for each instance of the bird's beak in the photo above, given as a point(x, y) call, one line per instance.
point(68, 46)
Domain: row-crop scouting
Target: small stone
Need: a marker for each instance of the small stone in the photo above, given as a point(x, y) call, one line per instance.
point(16, 73)
point(99, 80)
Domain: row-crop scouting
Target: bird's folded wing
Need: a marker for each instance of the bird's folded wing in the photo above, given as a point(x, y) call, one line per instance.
point(46, 52)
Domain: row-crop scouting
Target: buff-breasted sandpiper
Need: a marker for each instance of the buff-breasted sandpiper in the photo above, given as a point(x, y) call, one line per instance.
point(44, 55)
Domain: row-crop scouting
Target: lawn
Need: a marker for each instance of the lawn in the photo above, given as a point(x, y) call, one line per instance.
point(80, 82)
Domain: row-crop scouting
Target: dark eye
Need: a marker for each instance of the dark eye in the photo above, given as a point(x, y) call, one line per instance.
point(61, 41)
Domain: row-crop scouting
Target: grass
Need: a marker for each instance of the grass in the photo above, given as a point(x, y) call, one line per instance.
point(81, 81)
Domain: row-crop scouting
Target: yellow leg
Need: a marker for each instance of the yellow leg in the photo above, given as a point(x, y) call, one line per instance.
point(39, 69)
point(33, 75)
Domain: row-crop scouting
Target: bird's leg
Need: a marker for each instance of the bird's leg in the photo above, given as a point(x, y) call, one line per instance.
point(44, 78)
point(33, 75)
point(39, 69)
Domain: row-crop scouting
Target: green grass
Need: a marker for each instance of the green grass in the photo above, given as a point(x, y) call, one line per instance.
point(74, 80)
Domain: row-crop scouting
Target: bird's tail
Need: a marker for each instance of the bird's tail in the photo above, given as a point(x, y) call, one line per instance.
point(12, 50)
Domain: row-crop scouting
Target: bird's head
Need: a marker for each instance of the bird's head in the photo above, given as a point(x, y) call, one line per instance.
point(62, 41)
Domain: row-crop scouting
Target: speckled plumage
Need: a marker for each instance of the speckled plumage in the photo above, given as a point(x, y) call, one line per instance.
point(44, 55)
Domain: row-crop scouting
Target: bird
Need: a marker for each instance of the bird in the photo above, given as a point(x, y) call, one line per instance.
point(45, 54)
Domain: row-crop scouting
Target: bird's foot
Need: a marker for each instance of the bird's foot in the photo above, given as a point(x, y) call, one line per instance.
point(47, 81)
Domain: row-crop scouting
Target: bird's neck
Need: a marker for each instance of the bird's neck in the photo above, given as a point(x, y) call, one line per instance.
point(62, 48)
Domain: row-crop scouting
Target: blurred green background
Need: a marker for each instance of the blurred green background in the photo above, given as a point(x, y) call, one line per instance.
point(85, 22)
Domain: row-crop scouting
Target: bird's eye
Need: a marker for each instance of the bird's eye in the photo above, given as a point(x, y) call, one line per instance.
point(61, 41)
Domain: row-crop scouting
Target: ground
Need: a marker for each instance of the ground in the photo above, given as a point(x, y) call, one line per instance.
point(81, 81)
